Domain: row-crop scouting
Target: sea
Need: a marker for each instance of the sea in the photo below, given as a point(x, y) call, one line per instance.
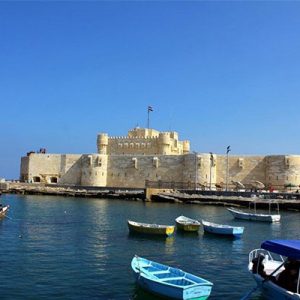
point(80, 248)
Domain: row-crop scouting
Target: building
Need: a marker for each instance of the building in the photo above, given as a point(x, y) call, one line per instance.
point(147, 154)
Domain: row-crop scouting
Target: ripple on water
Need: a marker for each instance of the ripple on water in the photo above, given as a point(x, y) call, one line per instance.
point(71, 248)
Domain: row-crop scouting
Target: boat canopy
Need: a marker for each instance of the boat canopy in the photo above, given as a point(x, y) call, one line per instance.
point(288, 248)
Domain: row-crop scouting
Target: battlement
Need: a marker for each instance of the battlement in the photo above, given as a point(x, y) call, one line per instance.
point(131, 138)
point(143, 141)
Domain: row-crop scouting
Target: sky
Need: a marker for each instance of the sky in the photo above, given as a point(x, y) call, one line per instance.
point(218, 72)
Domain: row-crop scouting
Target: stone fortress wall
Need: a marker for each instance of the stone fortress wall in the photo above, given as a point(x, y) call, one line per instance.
point(147, 154)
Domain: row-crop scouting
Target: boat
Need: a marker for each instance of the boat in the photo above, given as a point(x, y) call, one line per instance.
point(169, 282)
point(272, 263)
point(239, 214)
point(187, 224)
point(222, 229)
point(3, 210)
point(154, 229)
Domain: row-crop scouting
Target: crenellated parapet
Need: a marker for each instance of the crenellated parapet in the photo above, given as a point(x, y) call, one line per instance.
point(142, 141)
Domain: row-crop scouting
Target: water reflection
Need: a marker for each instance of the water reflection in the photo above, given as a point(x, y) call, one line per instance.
point(140, 294)
point(169, 249)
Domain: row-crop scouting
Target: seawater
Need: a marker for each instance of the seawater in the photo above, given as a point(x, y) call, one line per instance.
point(73, 248)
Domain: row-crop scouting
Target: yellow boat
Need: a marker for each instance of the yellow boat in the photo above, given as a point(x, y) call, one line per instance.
point(154, 229)
point(186, 224)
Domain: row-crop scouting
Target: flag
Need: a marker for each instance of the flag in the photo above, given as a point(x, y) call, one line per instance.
point(228, 149)
point(150, 108)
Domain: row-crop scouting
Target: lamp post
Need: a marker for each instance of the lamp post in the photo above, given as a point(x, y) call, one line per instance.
point(196, 170)
point(211, 164)
point(227, 151)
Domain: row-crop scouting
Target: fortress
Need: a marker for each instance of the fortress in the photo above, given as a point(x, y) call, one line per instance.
point(147, 154)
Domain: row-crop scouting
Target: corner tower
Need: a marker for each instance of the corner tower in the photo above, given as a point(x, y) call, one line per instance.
point(102, 143)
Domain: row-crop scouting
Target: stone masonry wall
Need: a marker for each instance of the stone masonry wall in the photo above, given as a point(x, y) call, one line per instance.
point(132, 171)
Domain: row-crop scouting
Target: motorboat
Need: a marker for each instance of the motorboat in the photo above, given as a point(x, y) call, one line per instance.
point(276, 269)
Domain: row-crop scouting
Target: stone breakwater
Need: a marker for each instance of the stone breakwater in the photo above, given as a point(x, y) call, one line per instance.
point(71, 191)
point(286, 201)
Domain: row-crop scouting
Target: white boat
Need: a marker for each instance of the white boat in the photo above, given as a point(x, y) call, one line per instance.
point(187, 224)
point(3, 210)
point(239, 214)
point(222, 229)
point(271, 271)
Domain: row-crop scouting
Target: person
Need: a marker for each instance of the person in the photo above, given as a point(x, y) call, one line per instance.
point(288, 278)
point(258, 266)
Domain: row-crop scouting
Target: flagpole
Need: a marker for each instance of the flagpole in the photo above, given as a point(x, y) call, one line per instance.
point(227, 166)
point(148, 121)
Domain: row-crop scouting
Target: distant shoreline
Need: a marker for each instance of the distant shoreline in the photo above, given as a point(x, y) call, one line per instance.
point(286, 201)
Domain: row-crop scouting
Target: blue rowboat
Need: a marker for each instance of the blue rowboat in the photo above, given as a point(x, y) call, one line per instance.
point(278, 276)
point(222, 229)
point(169, 282)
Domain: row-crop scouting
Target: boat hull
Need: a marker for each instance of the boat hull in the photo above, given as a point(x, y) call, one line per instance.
point(169, 282)
point(172, 292)
point(254, 217)
point(150, 229)
point(228, 232)
point(272, 291)
point(188, 228)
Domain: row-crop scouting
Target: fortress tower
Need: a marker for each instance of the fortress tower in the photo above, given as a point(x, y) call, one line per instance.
point(164, 143)
point(102, 143)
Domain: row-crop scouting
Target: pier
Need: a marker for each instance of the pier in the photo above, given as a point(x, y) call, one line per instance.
point(286, 201)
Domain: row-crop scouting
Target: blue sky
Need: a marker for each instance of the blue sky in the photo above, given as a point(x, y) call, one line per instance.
point(219, 73)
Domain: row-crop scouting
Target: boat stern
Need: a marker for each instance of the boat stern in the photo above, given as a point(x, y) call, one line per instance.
point(238, 231)
point(169, 230)
point(199, 292)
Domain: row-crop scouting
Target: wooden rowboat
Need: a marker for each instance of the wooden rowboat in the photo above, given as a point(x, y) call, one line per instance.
point(187, 224)
point(169, 282)
point(222, 229)
point(154, 229)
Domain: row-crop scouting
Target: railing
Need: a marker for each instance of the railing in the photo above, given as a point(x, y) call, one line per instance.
point(172, 185)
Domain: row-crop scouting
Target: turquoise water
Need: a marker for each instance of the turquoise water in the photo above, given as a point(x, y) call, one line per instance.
point(72, 248)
